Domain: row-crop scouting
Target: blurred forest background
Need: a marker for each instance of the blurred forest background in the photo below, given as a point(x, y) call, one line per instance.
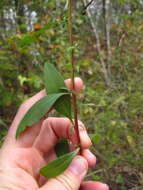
point(108, 37)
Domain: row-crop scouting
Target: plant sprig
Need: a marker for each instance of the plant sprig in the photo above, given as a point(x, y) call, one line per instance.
point(59, 98)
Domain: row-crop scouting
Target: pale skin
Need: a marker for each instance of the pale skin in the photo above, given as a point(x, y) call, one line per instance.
point(20, 160)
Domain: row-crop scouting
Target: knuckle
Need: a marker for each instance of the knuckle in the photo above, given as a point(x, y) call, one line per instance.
point(47, 121)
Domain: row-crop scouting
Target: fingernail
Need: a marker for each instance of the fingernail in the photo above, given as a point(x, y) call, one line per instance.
point(79, 166)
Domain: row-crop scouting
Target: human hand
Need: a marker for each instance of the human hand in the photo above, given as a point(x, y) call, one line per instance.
point(20, 160)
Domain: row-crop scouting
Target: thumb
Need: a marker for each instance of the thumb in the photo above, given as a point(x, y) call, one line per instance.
point(71, 178)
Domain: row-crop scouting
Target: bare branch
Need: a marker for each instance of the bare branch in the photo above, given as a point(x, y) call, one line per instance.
point(121, 39)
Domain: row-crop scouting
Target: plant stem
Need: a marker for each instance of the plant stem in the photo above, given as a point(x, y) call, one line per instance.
point(74, 99)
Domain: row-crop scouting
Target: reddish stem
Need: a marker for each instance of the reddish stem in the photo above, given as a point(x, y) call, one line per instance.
point(74, 99)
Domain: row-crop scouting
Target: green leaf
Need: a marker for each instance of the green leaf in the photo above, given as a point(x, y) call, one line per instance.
point(59, 165)
point(2, 123)
point(53, 79)
point(62, 147)
point(64, 89)
point(96, 138)
point(63, 106)
point(27, 40)
point(37, 111)
point(31, 37)
point(54, 83)
point(7, 66)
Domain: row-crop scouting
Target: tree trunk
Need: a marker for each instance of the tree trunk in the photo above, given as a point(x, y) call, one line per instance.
point(20, 13)
point(98, 45)
point(106, 16)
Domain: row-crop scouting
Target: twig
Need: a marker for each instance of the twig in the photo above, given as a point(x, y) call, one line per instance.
point(95, 172)
point(86, 6)
point(121, 39)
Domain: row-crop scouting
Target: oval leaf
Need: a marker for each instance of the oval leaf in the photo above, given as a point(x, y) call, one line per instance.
point(37, 111)
point(62, 147)
point(53, 79)
point(59, 165)
point(54, 83)
point(63, 106)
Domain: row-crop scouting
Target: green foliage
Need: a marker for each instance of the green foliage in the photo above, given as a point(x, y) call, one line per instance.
point(54, 83)
point(58, 166)
point(53, 80)
point(3, 131)
point(37, 111)
point(62, 147)
point(63, 106)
